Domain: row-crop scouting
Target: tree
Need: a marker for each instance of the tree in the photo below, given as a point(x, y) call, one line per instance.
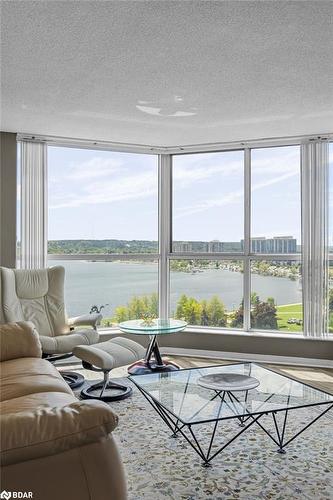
point(264, 316)
point(238, 317)
point(216, 312)
point(192, 311)
point(204, 313)
point(254, 298)
point(180, 310)
point(153, 307)
point(121, 314)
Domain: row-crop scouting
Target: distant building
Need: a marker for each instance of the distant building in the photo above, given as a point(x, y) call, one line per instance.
point(216, 246)
point(277, 244)
point(182, 246)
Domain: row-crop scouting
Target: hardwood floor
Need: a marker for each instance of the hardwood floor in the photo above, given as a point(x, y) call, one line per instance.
point(320, 378)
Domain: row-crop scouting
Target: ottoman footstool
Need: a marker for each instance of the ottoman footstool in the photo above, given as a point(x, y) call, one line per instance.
point(103, 357)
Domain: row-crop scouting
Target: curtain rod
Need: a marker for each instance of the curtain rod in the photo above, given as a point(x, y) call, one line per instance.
point(189, 148)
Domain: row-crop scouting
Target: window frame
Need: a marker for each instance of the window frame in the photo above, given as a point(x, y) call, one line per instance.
point(246, 256)
point(165, 253)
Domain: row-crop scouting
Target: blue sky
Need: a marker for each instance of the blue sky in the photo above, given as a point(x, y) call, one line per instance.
point(101, 195)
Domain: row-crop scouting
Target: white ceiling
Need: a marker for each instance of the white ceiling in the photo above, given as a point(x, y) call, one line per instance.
point(166, 72)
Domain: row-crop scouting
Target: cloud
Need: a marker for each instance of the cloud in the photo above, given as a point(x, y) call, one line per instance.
point(109, 190)
point(229, 198)
point(91, 169)
point(109, 180)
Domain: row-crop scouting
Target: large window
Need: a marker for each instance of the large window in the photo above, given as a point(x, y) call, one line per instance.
point(208, 202)
point(214, 238)
point(276, 284)
point(103, 212)
point(240, 205)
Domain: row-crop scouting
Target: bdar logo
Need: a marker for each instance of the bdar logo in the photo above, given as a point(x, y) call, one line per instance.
point(5, 494)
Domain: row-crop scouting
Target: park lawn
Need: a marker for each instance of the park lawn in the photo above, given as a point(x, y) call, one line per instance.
point(286, 312)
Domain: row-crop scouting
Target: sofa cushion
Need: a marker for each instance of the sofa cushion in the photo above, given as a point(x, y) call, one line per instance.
point(21, 377)
point(47, 431)
point(37, 400)
point(19, 340)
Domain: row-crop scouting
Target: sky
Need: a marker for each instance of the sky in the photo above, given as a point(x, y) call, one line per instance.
point(106, 195)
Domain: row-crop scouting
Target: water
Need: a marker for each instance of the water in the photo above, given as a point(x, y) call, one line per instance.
point(114, 283)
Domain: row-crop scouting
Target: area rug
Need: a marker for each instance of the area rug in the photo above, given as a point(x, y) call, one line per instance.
point(160, 467)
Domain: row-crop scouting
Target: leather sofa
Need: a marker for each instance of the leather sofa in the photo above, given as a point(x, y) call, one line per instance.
point(52, 444)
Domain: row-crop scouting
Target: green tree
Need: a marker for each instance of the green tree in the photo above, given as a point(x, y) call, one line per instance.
point(153, 306)
point(180, 310)
point(216, 312)
point(192, 311)
point(204, 313)
point(254, 298)
point(238, 317)
point(121, 314)
point(264, 316)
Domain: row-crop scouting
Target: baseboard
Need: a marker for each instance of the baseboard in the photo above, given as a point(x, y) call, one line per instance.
point(241, 356)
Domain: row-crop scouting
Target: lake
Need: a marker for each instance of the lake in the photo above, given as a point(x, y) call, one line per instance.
point(114, 283)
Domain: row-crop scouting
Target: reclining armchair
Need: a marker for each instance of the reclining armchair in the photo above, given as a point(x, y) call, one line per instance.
point(38, 296)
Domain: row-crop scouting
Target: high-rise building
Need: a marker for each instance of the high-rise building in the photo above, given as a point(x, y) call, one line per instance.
point(277, 244)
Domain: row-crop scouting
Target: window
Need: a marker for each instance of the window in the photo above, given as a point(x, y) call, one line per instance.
point(103, 212)
point(276, 200)
point(210, 216)
point(230, 253)
point(276, 284)
point(276, 296)
point(208, 201)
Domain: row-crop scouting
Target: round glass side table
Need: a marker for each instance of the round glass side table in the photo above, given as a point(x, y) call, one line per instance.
point(152, 328)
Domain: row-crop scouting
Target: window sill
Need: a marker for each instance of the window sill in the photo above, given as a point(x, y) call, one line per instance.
point(104, 332)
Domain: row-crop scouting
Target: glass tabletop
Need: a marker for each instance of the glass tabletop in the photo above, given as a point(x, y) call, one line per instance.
point(152, 327)
point(179, 393)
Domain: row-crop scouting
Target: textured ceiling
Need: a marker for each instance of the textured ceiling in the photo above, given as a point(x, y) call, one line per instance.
point(167, 72)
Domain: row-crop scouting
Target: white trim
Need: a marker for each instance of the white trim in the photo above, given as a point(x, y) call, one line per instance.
point(103, 257)
point(235, 256)
point(119, 147)
point(241, 356)
point(177, 149)
point(164, 230)
point(247, 242)
point(201, 330)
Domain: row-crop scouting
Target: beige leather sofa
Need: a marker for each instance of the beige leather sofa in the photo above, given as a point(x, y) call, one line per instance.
point(52, 444)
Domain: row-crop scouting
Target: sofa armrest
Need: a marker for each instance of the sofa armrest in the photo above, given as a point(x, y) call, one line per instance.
point(86, 320)
point(19, 340)
point(48, 431)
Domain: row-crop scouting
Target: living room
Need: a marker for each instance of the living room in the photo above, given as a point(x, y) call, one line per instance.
point(166, 249)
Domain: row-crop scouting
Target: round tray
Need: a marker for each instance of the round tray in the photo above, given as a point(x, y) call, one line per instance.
point(228, 382)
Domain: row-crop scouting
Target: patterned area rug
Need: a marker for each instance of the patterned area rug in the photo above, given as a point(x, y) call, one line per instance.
point(160, 467)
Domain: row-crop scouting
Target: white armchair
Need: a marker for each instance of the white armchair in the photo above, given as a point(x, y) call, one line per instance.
point(37, 295)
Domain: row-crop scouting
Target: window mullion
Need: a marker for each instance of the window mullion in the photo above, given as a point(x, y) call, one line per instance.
point(247, 240)
point(164, 232)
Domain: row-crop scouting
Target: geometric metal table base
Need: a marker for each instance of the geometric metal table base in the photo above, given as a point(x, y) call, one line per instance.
point(147, 365)
point(245, 422)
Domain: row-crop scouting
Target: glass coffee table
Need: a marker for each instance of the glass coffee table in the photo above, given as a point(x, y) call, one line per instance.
point(184, 405)
point(153, 328)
